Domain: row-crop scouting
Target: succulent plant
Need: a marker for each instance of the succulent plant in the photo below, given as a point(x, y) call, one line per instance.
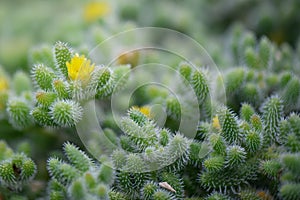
point(204, 131)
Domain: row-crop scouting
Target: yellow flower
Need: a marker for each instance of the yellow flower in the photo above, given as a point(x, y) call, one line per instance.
point(144, 109)
point(3, 92)
point(3, 84)
point(96, 10)
point(216, 123)
point(80, 68)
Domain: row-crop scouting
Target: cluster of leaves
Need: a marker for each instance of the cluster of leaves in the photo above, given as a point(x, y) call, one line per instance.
point(59, 89)
point(16, 171)
point(148, 156)
point(81, 178)
point(263, 69)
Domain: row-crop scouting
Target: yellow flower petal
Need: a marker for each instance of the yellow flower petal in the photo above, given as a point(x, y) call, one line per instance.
point(3, 84)
point(144, 109)
point(80, 68)
point(216, 123)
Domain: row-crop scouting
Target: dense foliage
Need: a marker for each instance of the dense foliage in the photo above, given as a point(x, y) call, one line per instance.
point(226, 133)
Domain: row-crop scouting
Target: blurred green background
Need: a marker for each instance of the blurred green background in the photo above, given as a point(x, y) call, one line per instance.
point(26, 24)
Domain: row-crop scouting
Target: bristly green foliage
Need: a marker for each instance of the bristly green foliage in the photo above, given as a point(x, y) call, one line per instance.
point(247, 149)
point(236, 155)
point(58, 97)
point(81, 178)
point(246, 112)
point(272, 113)
point(200, 85)
point(63, 53)
point(19, 113)
point(271, 168)
point(230, 130)
point(253, 141)
point(43, 76)
point(66, 113)
point(290, 191)
point(16, 170)
point(168, 155)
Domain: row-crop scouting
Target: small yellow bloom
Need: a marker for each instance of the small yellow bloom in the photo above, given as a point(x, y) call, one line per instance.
point(96, 10)
point(3, 92)
point(216, 123)
point(80, 68)
point(144, 109)
point(3, 84)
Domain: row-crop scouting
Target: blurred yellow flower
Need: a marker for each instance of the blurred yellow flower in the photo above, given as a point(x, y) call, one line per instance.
point(216, 123)
point(3, 92)
point(131, 58)
point(96, 10)
point(3, 84)
point(80, 68)
point(144, 109)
